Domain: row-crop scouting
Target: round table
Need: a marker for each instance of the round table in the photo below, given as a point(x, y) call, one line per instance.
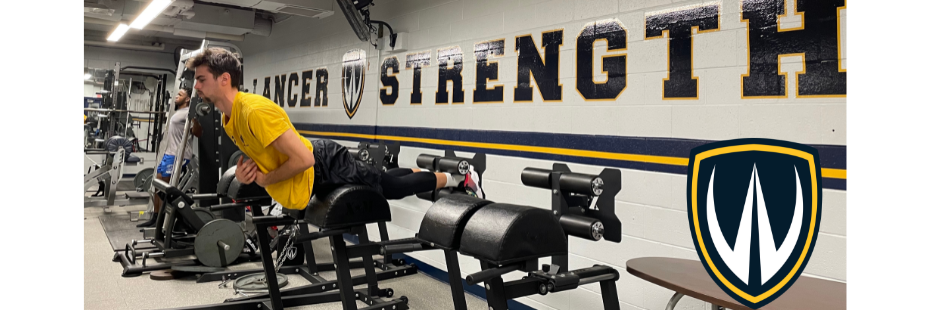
point(688, 277)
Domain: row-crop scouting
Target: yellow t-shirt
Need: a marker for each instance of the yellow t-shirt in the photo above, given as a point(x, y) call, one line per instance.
point(255, 123)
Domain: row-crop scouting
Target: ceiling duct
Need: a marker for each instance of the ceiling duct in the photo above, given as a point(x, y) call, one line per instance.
point(306, 8)
point(183, 18)
point(154, 47)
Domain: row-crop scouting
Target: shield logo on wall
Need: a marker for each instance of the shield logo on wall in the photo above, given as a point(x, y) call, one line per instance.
point(754, 209)
point(353, 80)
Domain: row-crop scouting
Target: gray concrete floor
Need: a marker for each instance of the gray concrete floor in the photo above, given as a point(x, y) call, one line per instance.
point(104, 288)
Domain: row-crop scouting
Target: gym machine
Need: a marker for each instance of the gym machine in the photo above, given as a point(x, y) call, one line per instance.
point(114, 117)
point(378, 154)
point(582, 206)
point(183, 230)
point(108, 127)
point(296, 265)
point(389, 268)
point(180, 211)
point(213, 146)
point(507, 237)
point(106, 176)
point(444, 220)
point(328, 212)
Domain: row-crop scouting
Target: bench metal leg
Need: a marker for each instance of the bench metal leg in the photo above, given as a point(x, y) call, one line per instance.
point(343, 277)
point(494, 290)
point(455, 280)
point(609, 295)
point(264, 243)
point(370, 274)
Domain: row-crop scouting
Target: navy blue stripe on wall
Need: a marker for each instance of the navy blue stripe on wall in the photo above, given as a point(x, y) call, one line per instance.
point(831, 156)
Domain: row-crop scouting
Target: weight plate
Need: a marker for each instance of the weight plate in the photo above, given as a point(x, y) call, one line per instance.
point(234, 158)
point(143, 179)
point(207, 244)
point(256, 282)
point(197, 269)
point(205, 215)
point(161, 275)
point(203, 108)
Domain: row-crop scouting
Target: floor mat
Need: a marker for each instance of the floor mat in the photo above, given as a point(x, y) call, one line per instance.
point(119, 229)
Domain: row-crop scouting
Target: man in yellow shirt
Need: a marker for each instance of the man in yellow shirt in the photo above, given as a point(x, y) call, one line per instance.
point(286, 164)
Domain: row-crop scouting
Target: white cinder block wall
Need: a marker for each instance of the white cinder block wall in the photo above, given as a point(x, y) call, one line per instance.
point(652, 204)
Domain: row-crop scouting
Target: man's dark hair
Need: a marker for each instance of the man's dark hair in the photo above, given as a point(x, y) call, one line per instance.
point(219, 61)
point(187, 90)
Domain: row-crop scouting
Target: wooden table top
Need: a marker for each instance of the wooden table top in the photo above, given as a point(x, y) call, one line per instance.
point(690, 278)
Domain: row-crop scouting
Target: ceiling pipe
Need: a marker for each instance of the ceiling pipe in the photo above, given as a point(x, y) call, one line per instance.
point(160, 47)
point(177, 7)
point(223, 36)
point(263, 28)
point(137, 68)
point(208, 35)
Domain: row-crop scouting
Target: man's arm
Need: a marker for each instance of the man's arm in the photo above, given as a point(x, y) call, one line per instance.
point(299, 159)
point(196, 129)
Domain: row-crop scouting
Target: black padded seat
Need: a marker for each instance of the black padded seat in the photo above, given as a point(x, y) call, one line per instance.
point(238, 191)
point(444, 222)
point(503, 233)
point(223, 186)
point(347, 206)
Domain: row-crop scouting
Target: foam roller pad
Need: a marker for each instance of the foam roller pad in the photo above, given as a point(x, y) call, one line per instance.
point(346, 206)
point(227, 178)
point(502, 233)
point(445, 220)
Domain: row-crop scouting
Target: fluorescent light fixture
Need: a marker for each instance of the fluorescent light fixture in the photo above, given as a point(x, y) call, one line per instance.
point(118, 33)
point(87, 76)
point(153, 10)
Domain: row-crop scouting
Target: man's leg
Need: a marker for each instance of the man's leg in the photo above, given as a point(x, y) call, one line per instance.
point(162, 173)
point(158, 199)
point(157, 202)
point(395, 187)
point(331, 156)
point(399, 172)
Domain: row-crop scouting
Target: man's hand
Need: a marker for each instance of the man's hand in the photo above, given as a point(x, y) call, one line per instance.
point(245, 171)
point(196, 129)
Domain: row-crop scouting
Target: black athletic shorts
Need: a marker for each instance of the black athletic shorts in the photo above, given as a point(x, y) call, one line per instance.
point(335, 167)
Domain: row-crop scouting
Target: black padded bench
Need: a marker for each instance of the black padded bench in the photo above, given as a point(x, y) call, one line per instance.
point(344, 210)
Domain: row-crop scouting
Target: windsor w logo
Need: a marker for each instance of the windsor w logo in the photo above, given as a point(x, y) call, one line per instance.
point(754, 211)
point(353, 80)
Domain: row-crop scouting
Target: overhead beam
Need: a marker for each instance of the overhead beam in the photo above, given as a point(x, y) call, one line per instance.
point(159, 47)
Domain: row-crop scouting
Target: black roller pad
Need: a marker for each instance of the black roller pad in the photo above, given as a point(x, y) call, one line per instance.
point(444, 222)
point(239, 191)
point(346, 206)
point(228, 177)
point(503, 233)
